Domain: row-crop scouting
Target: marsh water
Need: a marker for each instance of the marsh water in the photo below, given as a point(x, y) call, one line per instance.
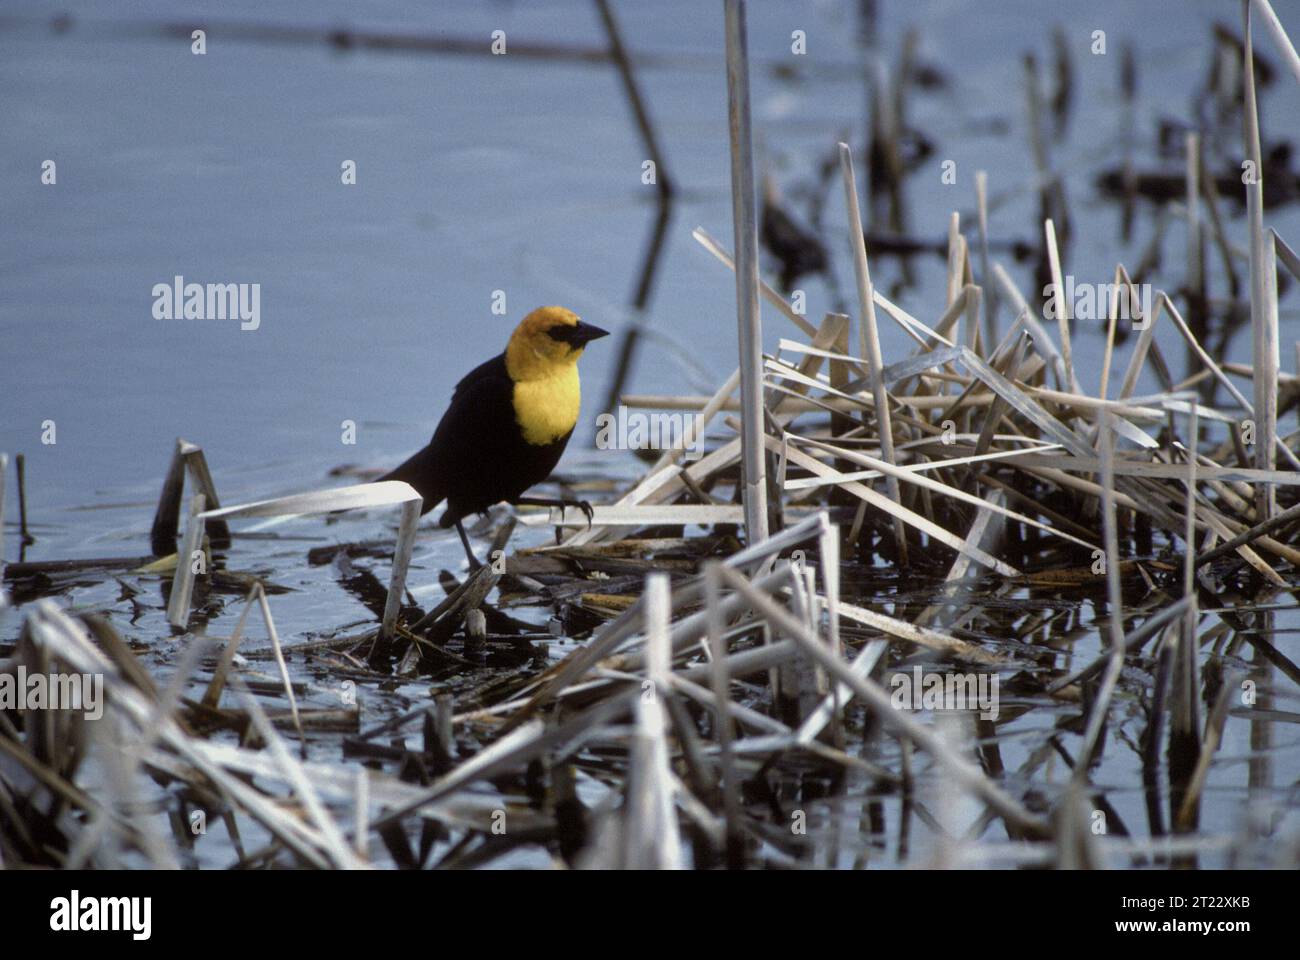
point(483, 177)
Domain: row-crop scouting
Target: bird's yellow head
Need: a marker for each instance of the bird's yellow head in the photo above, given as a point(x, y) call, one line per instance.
point(546, 342)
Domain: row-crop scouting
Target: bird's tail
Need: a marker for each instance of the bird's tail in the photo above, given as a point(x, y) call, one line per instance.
point(423, 473)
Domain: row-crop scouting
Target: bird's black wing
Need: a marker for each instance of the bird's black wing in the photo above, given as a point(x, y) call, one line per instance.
point(481, 411)
point(478, 455)
point(482, 406)
point(485, 458)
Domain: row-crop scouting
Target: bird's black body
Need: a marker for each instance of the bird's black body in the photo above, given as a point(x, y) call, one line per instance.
point(478, 456)
point(507, 425)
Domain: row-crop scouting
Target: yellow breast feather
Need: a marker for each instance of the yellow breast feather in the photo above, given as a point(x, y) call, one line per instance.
point(547, 409)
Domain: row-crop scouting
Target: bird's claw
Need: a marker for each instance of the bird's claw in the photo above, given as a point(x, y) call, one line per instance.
point(587, 510)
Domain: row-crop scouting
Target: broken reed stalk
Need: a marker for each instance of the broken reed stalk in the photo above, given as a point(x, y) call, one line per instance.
point(1061, 307)
point(361, 820)
point(1219, 375)
point(1189, 532)
point(609, 636)
point(1263, 265)
point(724, 725)
point(60, 637)
point(956, 254)
point(386, 493)
point(1115, 600)
point(745, 222)
point(407, 525)
point(178, 605)
point(829, 567)
point(212, 696)
point(709, 243)
point(187, 458)
point(162, 536)
point(879, 702)
point(650, 823)
point(990, 299)
point(1285, 518)
point(869, 335)
point(1282, 41)
point(1185, 817)
point(331, 835)
point(279, 662)
point(24, 535)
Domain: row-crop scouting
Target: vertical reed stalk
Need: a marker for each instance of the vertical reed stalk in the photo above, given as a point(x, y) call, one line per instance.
point(745, 221)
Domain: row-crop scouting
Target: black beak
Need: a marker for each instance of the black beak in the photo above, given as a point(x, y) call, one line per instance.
point(586, 332)
point(578, 335)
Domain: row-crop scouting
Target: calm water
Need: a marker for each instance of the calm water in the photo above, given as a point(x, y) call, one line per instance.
point(477, 174)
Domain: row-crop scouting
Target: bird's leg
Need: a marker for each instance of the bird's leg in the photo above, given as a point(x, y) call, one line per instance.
point(469, 551)
point(563, 502)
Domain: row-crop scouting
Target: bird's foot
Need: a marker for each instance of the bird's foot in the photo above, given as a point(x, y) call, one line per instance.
point(562, 503)
point(582, 505)
point(587, 510)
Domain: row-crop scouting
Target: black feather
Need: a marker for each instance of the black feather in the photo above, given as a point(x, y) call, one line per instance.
point(478, 455)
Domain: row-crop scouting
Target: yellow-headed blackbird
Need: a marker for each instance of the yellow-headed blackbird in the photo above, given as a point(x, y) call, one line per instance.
point(508, 422)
